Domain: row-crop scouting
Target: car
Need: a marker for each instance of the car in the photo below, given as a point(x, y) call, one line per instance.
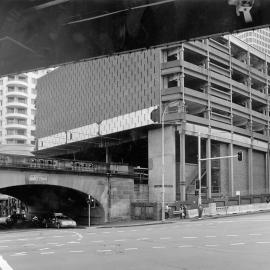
point(59, 220)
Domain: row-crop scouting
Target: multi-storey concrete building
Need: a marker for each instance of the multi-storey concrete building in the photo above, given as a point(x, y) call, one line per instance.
point(18, 94)
point(215, 89)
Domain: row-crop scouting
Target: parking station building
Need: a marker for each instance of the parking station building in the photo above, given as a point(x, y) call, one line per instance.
point(107, 109)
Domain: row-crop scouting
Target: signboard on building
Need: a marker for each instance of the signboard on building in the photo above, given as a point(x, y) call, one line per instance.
point(36, 179)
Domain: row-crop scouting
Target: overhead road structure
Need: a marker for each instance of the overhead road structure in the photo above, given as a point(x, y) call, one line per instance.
point(41, 33)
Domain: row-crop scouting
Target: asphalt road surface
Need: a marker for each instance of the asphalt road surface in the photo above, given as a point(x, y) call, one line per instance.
point(241, 242)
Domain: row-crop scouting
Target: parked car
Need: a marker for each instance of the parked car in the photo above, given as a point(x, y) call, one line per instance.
point(16, 219)
point(59, 220)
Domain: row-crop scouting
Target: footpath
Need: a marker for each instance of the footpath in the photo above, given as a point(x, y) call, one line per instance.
point(133, 223)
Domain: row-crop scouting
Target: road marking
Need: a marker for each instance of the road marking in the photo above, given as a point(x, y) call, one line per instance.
point(60, 245)
point(158, 247)
point(184, 246)
point(133, 230)
point(80, 237)
point(19, 254)
point(210, 236)
point(131, 248)
point(47, 253)
point(4, 265)
point(262, 242)
point(58, 236)
point(164, 238)
point(211, 245)
point(104, 250)
point(7, 240)
point(38, 238)
point(237, 244)
point(255, 234)
point(3, 246)
point(73, 242)
point(76, 251)
point(232, 235)
point(120, 231)
point(97, 241)
point(144, 238)
point(106, 232)
point(52, 243)
point(23, 239)
point(28, 245)
point(120, 240)
point(190, 237)
point(44, 248)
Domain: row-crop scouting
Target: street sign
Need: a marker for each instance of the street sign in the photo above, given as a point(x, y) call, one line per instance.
point(237, 193)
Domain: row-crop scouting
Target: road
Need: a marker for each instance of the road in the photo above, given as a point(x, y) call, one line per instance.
point(241, 242)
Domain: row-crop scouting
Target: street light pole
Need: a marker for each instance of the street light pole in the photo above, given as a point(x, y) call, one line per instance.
point(199, 170)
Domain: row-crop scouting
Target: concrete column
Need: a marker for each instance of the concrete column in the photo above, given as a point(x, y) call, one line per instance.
point(231, 175)
point(267, 173)
point(250, 171)
point(108, 155)
point(208, 168)
point(182, 166)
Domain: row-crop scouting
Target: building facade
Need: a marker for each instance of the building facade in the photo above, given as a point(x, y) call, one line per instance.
point(259, 39)
point(17, 114)
point(214, 96)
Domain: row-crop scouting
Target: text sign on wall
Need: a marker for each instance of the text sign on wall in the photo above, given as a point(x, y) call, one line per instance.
point(36, 179)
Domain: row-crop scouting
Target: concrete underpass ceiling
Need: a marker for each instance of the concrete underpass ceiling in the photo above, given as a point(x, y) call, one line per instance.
point(48, 198)
point(40, 33)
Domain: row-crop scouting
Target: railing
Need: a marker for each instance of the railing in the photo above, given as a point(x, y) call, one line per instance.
point(73, 166)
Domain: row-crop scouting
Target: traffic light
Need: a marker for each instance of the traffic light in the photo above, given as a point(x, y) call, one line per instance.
point(240, 156)
point(91, 201)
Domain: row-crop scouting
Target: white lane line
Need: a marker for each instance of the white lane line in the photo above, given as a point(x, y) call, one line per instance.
point(210, 236)
point(28, 245)
point(232, 235)
point(23, 239)
point(60, 245)
point(120, 231)
point(120, 240)
point(237, 244)
point(190, 237)
point(106, 232)
point(97, 241)
point(80, 237)
point(47, 253)
point(73, 242)
point(7, 240)
point(255, 234)
point(211, 245)
point(158, 247)
point(4, 265)
point(52, 243)
point(144, 238)
point(133, 230)
point(165, 238)
point(38, 238)
point(76, 251)
point(104, 250)
point(44, 248)
point(19, 254)
point(184, 246)
point(58, 236)
point(131, 248)
point(262, 242)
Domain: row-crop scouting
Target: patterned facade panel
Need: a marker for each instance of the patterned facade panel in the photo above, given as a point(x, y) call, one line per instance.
point(80, 94)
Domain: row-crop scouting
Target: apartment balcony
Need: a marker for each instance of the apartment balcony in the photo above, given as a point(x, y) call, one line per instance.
point(17, 82)
point(16, 93)
point(17, 114)
point(16, 137)
point(17, 104)
point(16, 125)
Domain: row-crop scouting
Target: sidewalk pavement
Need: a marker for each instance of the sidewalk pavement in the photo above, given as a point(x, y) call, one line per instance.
point(133, 223)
